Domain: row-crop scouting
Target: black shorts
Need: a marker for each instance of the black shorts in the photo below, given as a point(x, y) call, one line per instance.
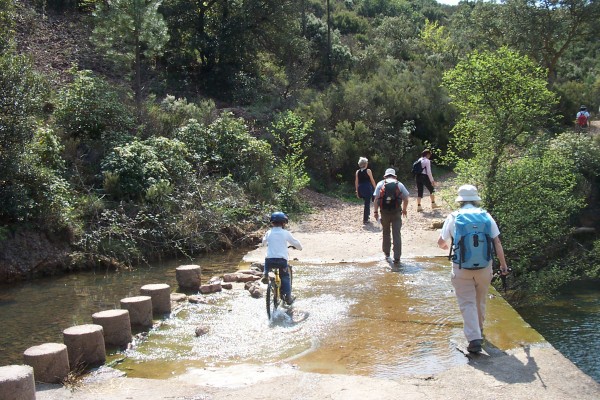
point(423, 180)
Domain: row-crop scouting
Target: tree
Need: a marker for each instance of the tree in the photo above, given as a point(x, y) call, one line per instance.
point(545, 29)
point(476, 26)
point(535, 211)
point(6, 24)
point(216, 42)
point(503, 102)
point(128, 30)
point(23, 94)
point(291, 139)
point(91, 119)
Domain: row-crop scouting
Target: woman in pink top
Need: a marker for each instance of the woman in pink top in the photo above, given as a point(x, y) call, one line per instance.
point(425, 179)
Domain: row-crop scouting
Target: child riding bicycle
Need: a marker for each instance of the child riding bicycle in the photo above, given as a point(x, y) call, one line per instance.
point(276, 240)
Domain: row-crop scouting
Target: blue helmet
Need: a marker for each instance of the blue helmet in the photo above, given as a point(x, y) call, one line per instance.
point(278, 216)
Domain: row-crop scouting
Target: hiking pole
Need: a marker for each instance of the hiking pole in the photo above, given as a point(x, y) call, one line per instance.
point(503, 278)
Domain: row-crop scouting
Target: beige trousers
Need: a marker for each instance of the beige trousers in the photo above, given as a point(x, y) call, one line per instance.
point(471, 288)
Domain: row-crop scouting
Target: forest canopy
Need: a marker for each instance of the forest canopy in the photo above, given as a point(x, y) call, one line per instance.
point(144, 128)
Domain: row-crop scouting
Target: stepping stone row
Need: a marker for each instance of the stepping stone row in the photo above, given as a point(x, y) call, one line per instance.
point(84, 345)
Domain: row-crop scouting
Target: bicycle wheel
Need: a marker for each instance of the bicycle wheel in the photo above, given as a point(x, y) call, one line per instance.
point(272, 298)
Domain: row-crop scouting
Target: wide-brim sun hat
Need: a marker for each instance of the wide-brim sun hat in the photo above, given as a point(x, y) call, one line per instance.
point(467, 193)
point(390, 172)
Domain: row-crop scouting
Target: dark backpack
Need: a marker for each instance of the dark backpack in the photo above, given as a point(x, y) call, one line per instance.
point(417, 168)
point(582, 119)
point(390, 196)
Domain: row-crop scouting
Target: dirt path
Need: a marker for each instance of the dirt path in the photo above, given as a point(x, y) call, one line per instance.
point(333, 234)
point(594, 127)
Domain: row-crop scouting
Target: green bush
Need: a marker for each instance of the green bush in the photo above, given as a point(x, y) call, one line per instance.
point(202, 214)
point(131, 170)
point(45, 198)
point(198, 141)
point(291, 135)
point(41, 195)
point(48, 148)
point(349, 23)
point(224, 148)
point(234, 151)
point(23, 94)
point(375, 8)
point(89, 107)
point(170, 114)
point(537, 197)
point(543, 202)
point(6, 25)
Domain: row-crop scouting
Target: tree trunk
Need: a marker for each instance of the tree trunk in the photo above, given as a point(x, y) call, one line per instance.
point(137, 87)
point(329, 66)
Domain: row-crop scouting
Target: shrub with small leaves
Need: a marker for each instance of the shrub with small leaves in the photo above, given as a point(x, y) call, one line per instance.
point(88, 107)
point(132, 169)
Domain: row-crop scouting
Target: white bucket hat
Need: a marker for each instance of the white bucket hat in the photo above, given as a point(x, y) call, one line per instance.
point(467, 193)
point(390, 172)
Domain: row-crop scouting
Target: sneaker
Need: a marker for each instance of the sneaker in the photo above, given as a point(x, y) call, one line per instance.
point(396, 261)
point(265, 279)
point(419, 208)
point(435, 205)
point(474, 346)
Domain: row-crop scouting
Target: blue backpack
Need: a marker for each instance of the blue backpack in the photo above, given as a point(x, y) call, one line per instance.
point(472, 242)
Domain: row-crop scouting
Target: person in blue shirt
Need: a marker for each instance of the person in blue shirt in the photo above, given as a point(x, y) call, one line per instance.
point(276, 239)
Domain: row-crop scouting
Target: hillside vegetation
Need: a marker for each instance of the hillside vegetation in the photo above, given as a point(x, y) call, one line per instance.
point(138, 129)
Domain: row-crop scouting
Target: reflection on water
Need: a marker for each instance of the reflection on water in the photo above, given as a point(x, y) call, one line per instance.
point(365, 319)
point(571, 323)
point(350, 318)
point(38, 311)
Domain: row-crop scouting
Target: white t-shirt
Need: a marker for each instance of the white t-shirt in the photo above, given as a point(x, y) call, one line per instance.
point(277, 240)
point(587, 114)
point(448, 228)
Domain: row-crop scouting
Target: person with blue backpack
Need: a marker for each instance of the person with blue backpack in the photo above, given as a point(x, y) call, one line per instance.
point(391, 197)
point(475, 238)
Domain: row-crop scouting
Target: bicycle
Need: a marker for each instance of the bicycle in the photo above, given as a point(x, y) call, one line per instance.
point(273, 298)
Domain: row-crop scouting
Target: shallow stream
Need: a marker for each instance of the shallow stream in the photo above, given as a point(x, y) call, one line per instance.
point(366, 319)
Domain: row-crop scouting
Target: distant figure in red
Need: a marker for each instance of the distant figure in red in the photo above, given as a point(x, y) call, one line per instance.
point(583, 118)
